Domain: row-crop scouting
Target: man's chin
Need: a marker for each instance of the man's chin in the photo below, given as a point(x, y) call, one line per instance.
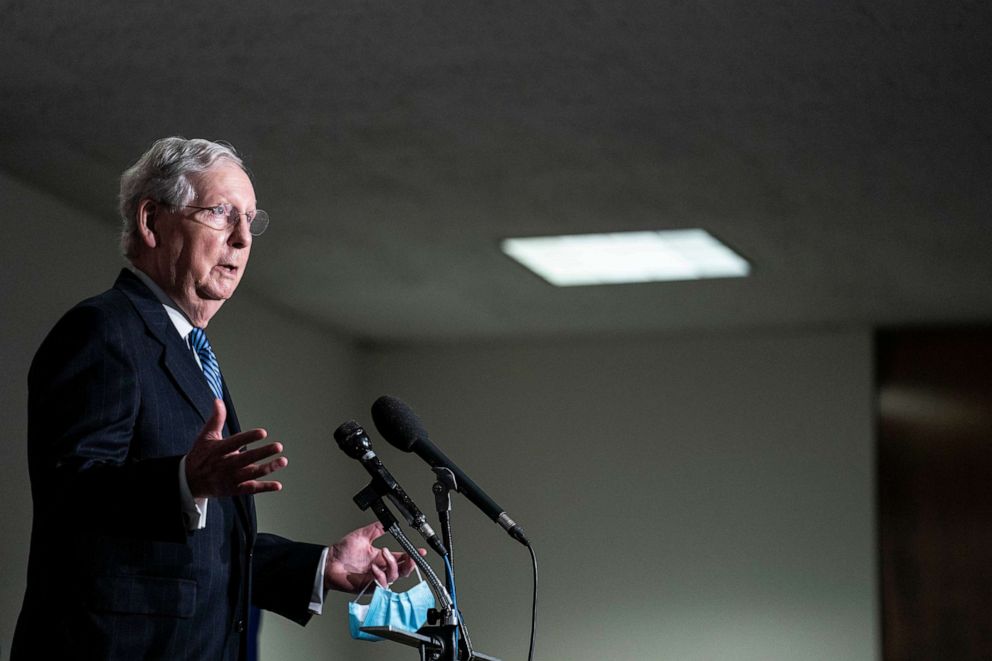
point(217, 291)
point(210, 301)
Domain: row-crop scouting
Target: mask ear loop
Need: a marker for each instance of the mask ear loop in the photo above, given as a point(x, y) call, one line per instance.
point(358, 596)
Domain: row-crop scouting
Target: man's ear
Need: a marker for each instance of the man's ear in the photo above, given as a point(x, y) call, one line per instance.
point(148, 213)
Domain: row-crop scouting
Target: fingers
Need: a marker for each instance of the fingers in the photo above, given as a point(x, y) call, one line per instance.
point(249, 472)
point(256, 454)
point(406, 563)
point(255, 471)
point(217, 466)
point(253, 487)
point(404, 566)
point(239, 440)
point(384, 568)
point(392, 569)
point(379, 576)
point(356, 554)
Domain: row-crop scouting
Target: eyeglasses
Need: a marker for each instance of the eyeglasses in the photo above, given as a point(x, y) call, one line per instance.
point(223, 216)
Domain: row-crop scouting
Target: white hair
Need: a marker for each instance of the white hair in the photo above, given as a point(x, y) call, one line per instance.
point(163, 174)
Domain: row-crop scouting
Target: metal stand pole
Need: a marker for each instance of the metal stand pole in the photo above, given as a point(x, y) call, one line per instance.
point(439, 641)
point(442, 500)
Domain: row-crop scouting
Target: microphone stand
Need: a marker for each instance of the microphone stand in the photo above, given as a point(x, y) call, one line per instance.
point(439, 640)
point(442, 500)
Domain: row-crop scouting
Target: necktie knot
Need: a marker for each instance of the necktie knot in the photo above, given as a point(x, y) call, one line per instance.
point(208, 361)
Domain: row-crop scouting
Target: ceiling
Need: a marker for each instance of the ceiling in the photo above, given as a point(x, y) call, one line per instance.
point(844, 148)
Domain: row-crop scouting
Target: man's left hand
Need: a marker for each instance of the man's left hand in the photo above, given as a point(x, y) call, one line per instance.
point(353, 562)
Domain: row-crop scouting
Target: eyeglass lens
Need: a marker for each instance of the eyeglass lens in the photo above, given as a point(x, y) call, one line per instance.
point(258, 222)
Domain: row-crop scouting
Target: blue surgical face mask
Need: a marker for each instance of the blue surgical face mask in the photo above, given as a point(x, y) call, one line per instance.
point(406, 611)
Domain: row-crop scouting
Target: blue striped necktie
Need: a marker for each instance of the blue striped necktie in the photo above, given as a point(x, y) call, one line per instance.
point(208, 361)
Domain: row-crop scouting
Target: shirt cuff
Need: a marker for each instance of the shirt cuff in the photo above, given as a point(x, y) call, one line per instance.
point(317, 596)
point(194, 509)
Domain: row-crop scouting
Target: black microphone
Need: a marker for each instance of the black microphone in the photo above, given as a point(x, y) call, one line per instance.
point(356, 444)
point(402, 428)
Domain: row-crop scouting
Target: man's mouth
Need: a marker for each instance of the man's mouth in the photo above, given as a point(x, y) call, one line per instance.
point(229, 268)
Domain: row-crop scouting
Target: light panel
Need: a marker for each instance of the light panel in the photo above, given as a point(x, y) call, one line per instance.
point(626, 257)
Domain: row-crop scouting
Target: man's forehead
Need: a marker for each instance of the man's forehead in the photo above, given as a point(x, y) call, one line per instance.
point(223, 178)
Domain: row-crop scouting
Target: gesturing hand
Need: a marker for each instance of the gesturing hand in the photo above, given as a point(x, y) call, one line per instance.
point(215, 466)
point(353, 562)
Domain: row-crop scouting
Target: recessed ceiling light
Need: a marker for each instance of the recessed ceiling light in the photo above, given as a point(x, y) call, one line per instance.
point(601, 259)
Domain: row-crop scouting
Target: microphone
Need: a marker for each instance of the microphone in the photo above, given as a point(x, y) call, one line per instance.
point(402, 428)
point(355, 443)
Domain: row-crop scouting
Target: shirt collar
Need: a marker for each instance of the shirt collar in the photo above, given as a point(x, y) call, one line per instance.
point(176, 316)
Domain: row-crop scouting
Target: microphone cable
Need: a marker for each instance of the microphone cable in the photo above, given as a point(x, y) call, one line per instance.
point(533, 612)
point(454, 596)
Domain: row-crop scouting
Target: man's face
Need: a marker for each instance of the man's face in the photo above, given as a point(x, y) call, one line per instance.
point(199, 266)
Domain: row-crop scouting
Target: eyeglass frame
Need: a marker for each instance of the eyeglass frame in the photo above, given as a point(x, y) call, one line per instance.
point(232, 212)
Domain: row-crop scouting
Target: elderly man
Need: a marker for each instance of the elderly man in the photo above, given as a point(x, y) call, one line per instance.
point(144, 542)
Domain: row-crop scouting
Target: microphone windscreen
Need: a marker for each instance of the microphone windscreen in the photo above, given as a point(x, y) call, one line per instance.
point(397, 423)
point(352, 439)
point(346, 430)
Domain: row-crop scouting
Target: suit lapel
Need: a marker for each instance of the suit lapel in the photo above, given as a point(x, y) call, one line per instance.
point(178, 361)
point(176, 357)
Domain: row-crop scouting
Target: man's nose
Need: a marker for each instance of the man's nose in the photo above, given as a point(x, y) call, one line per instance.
point(241, 233)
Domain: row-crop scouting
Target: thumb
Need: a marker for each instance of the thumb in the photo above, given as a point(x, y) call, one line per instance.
point(372, 532)
point(214, 428)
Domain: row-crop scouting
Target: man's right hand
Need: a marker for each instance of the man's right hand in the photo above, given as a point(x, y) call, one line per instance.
point(216, 466)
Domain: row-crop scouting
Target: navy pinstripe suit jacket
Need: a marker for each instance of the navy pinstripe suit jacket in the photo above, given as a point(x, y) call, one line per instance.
point(115, 401)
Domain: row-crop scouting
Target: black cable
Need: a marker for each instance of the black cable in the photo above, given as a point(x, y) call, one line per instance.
point(533, 612)
point(451, 552)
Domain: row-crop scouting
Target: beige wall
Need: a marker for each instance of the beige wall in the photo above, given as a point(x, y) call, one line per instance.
point(689, 497)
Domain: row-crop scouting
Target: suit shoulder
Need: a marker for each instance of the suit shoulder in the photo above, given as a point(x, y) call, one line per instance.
point(103, 311)
point(110, 303)
point(95, 322)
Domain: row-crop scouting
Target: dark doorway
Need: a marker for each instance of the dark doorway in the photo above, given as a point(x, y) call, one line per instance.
point(935, 493)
